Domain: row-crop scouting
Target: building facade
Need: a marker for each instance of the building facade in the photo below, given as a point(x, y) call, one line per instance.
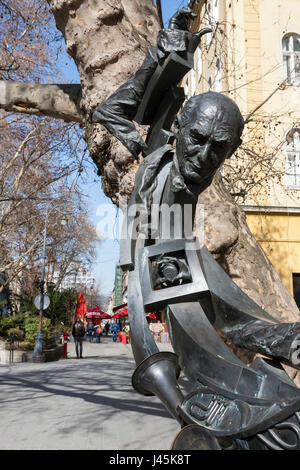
point(78, 277)
point(253, 56)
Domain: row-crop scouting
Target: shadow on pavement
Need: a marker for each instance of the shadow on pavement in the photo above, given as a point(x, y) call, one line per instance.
point(99, 382)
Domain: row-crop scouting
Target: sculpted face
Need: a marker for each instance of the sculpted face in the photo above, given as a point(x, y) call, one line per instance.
point(207, 133)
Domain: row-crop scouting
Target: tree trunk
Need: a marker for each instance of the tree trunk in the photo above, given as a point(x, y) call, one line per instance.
point(107, 40)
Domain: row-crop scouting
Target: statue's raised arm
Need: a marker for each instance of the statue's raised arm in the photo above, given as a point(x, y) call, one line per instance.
point(182, 17)
point(119, 111)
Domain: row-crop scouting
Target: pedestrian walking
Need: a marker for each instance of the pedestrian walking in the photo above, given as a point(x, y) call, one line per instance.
point(78, 332)
point(106, 327)
point(127, 331)
point(115, 331)
point(98, 332)
point(90, 331)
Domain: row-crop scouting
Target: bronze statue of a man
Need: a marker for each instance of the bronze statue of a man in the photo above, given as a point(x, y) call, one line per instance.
point(230, 403)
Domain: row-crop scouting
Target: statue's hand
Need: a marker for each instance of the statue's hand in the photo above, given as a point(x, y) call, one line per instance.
point(177, 37)
point(180, 20)
point(170, 271)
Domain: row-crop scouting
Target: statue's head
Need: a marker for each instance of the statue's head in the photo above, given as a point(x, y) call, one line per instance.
point(207, 131)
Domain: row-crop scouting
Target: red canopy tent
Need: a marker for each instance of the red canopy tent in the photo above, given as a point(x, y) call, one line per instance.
point(122, 313)
point(95, 309)
point(153, 316)
point(119, 307)
point(102, 316)
point(95, 314)
point(80, 307)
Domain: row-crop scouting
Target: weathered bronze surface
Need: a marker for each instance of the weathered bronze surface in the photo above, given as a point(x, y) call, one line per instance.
point(230, 405)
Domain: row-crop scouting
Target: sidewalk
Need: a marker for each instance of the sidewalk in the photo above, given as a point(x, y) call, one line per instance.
point(82, 404)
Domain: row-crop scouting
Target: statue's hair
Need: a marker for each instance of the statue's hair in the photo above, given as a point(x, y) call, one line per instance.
point(227, 106)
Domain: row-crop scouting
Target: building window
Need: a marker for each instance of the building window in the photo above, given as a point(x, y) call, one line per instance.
point(291, 58)
point(296, 288)
point(292, 162)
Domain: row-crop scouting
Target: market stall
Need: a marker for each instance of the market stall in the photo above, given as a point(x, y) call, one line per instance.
point(96, 315)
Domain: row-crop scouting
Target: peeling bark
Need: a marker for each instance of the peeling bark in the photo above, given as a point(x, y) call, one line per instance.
point(107, 40)
point(229, 239)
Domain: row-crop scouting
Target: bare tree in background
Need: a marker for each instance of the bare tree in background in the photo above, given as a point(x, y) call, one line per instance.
point(39, 158)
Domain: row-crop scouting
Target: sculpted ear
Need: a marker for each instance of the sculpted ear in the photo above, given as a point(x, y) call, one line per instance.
point(235, 146)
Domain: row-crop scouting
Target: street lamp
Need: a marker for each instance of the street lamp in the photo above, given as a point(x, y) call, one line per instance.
point(38, 355)
point(74, 293)
point(89, 284)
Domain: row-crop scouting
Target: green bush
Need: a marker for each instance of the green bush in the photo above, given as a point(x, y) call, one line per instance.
point(11, 321)
point(60, 308)
point(16, 333)
point(31, 327)
point(24, 327)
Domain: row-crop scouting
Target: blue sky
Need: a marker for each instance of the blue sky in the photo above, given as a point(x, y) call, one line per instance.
point(169, 7)
point(108, 251)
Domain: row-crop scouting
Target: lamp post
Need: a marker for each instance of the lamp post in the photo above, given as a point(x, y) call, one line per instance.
point(89, 284)
point(91, 289)
point(38, 355)
point(74, 296)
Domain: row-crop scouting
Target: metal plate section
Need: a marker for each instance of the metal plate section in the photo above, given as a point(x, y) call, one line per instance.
point(158, 299)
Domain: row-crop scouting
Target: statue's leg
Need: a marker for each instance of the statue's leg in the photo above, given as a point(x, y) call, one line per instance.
point(244, 322)
point(156, 372)
point(277, 341)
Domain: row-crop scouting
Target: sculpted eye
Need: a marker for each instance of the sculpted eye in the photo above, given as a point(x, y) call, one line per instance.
point(197, 139)
point(220, 143)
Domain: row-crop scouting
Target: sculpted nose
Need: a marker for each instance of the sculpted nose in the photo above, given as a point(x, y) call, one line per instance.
point(205, 150)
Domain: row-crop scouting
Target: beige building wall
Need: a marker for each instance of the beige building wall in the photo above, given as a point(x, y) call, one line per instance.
point(279, 235)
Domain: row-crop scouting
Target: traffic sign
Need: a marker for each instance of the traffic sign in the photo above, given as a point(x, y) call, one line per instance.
point(38, 301)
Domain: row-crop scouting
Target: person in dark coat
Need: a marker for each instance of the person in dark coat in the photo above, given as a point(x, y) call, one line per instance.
point(106, 327)
point(78, 332)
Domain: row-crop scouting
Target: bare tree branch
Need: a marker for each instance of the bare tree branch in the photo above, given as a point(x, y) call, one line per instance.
point(58, 101)
point(281, 86)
